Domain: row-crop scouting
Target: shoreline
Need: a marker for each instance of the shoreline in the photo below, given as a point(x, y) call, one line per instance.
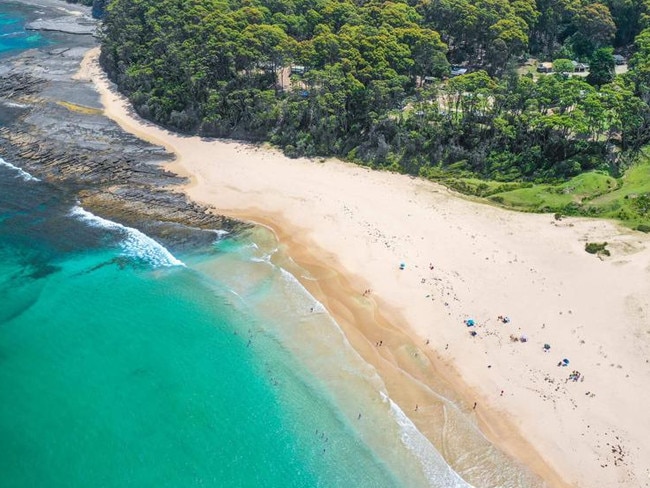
point(408, 382)
point(369, 259)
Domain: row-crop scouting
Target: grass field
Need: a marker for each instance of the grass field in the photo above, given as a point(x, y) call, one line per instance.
point(593, 194)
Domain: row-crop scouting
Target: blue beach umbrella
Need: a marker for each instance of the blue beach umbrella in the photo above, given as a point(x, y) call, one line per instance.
point(470, 322)
point(565, 362)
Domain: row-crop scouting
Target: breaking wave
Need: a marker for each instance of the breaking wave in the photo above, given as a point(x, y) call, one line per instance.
point(436, 468)
point(21, 172)
point(134, 243)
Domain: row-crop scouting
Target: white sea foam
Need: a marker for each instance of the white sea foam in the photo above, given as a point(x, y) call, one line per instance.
point(265, 258)
point(220, 233)
point(436, 469)
point(134, 243)
point(21, 172)
point(315, 304)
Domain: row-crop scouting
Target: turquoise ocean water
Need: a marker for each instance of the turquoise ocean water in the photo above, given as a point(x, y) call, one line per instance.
point(124, 363)
point(120, 365)
point(13, 37)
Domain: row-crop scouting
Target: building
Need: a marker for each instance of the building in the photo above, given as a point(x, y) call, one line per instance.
point(580, 67)
point(545, 68)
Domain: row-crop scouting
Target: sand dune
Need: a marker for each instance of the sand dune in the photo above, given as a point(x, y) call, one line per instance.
point(350, 229)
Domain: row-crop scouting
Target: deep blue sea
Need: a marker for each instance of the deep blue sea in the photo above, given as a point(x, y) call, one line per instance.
point(124, 363)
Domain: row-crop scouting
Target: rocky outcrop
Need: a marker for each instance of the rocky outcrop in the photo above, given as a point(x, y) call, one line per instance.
point(19, 85)
point(58, 133)
point(71, 24)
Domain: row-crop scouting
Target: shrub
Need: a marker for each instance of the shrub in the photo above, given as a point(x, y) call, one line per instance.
point(625, 214)
point(497, 199)
point(643, 228)
point(597, 248)
point(290, 151)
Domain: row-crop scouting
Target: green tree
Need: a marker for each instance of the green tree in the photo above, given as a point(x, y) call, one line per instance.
point(639, 65)
point(563, 66)
point(427, 49)
point(595, 28)
point(212, 67)
point(509, 39)
point(627, 15)
point(601, 68)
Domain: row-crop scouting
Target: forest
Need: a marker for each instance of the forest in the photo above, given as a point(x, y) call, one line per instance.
point(425, 87)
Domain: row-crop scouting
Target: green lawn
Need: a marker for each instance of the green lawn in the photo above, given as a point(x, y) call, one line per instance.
point(594, 194)
point(576, 191)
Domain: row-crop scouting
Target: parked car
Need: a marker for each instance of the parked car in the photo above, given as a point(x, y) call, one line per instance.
point(458, 70)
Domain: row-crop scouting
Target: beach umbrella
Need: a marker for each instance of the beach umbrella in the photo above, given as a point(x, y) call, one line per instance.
point(565, 361)
point(470, 322)
point(547, 346)
point(402, 265)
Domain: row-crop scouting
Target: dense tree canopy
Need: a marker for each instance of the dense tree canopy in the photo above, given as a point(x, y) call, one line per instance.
point(371, 81)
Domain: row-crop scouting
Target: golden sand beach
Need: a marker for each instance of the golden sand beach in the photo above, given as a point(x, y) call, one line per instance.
point(350, 229)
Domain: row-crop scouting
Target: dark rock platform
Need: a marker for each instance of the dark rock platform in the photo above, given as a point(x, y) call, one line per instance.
point(52, 126)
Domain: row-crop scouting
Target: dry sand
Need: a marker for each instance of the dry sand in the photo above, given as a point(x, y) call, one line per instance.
point(350, 228)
